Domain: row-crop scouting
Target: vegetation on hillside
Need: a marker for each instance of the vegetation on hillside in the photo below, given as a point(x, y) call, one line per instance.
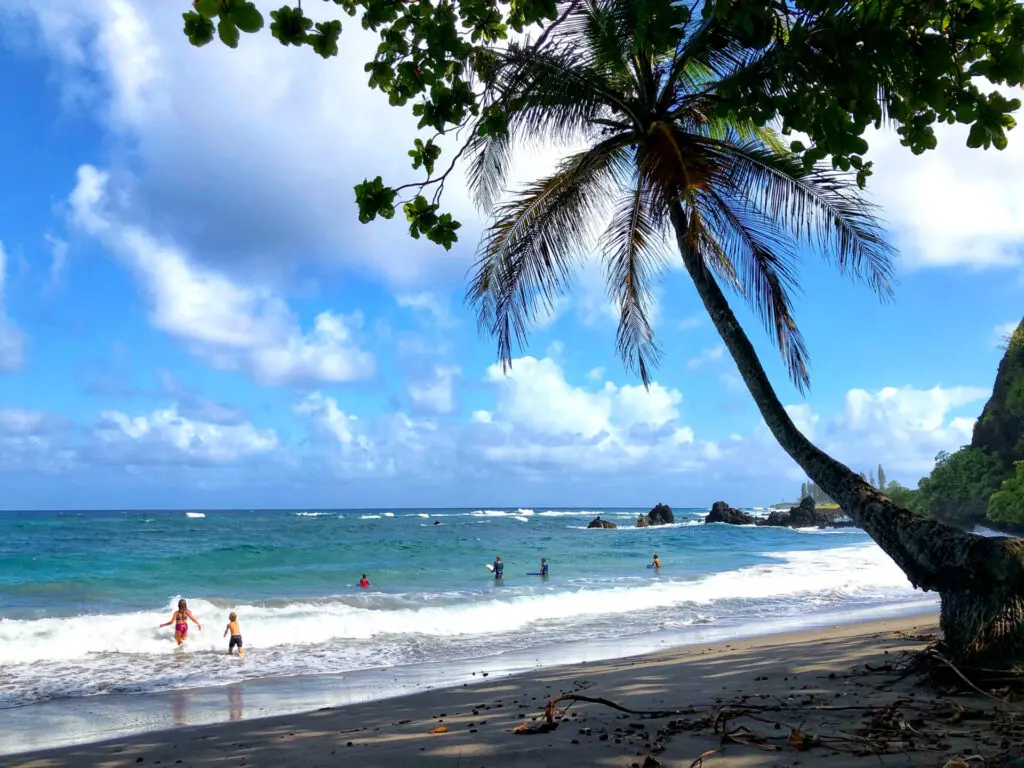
point(980, 484)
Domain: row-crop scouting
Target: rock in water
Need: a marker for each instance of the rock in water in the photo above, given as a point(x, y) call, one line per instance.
point(805, 515)
point(597, 522)
point(661, 514)
point(723, 513)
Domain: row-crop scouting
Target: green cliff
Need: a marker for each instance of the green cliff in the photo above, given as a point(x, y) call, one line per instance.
point(1000, 430)
point(983, 482)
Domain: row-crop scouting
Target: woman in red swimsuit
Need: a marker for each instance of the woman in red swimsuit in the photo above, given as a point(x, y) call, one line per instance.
point(180, 621)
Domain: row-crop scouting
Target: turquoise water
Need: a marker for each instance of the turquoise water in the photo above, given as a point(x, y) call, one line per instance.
point(81, 594)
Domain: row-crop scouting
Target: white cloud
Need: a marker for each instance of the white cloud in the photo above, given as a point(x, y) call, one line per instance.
point(12, 338)
point(166, 437)
point(733, 382)
point(58, 255)
point(952, 206)
point(547, 315)
point(381, 447)
point(706, 356)
point(482, 417)
point(690, 323)
point(231, 325)
point(900, 427)
point(539, 417)
point(596, 374)
point(436, 394)
point(555, 349)
point(256, 163)
point(804, 417)
point(15, 421)
point(326, 414)
point(428, 304)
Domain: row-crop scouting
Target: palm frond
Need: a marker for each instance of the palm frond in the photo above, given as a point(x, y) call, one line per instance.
point(554, 95)
point(490, 163)
point(632, 254)
point(529, 252)
point(765, 261)
point(820, 206)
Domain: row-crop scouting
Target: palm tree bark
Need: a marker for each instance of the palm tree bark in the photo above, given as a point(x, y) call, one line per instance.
point(980, 579)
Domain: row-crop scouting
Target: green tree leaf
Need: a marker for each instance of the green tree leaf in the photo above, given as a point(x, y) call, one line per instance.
point(443, 232)
point(208, 8)
point(198, 28)
point(228, 32)
point(247, 17)
point(374, 199)
point(290, 26)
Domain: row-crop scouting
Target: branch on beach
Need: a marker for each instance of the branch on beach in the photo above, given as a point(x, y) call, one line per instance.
point(899, 727)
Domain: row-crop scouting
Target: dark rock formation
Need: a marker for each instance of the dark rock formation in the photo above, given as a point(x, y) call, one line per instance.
point(723, 513)
point(661, 514)
point(1001, 426)
point(806, 515)
point(803, 515)
point(597, 522)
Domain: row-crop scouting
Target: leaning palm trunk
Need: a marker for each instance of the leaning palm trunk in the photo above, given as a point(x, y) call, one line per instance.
point(980, 579)
point(664, 158)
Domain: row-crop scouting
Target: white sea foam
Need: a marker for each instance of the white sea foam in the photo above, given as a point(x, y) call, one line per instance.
point(195, 514)
point(313, 514)
point(369, 517)
point(522, 518)
point(815, 577)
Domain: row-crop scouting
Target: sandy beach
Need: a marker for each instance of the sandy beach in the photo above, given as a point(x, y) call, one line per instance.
point(767, 692)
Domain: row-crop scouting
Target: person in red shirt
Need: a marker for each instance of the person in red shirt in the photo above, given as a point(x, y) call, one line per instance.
point(364, 582)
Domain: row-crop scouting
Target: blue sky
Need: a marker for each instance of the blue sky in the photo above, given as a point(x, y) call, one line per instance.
point(192, 316)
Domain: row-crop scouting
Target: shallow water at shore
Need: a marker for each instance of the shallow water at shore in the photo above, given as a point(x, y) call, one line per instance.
point(81, 594)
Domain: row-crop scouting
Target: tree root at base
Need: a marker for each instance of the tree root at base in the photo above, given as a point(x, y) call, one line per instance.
point(933, 665)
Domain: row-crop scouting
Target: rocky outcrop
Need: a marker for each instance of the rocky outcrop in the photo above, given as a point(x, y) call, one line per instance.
point(806, 515)
point(661, 514)
point(723, 513)
point(597, 522)
point(803, 515)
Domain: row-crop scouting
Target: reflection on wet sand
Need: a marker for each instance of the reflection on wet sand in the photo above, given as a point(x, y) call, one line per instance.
point(235, 702)
point(179, 706)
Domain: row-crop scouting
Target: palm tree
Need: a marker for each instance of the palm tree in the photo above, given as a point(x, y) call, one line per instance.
point(662, 162)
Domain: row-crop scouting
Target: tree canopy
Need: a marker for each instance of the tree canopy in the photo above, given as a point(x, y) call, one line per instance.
point(828, 69)
point(1006, 506)
point(959, 487)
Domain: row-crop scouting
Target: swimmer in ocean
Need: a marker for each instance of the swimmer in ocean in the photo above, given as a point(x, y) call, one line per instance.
point(656, 563)
point(180, 621)
point(499, 567)
point(543, 566)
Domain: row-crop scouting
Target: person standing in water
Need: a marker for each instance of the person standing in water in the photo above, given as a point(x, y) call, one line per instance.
point(364, 582)
point(236, 635)
point(180, 621)
point(656, 563)
point(543, 566)
point(499, 567)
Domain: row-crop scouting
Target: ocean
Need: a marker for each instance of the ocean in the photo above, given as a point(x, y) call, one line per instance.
point(82, 593)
